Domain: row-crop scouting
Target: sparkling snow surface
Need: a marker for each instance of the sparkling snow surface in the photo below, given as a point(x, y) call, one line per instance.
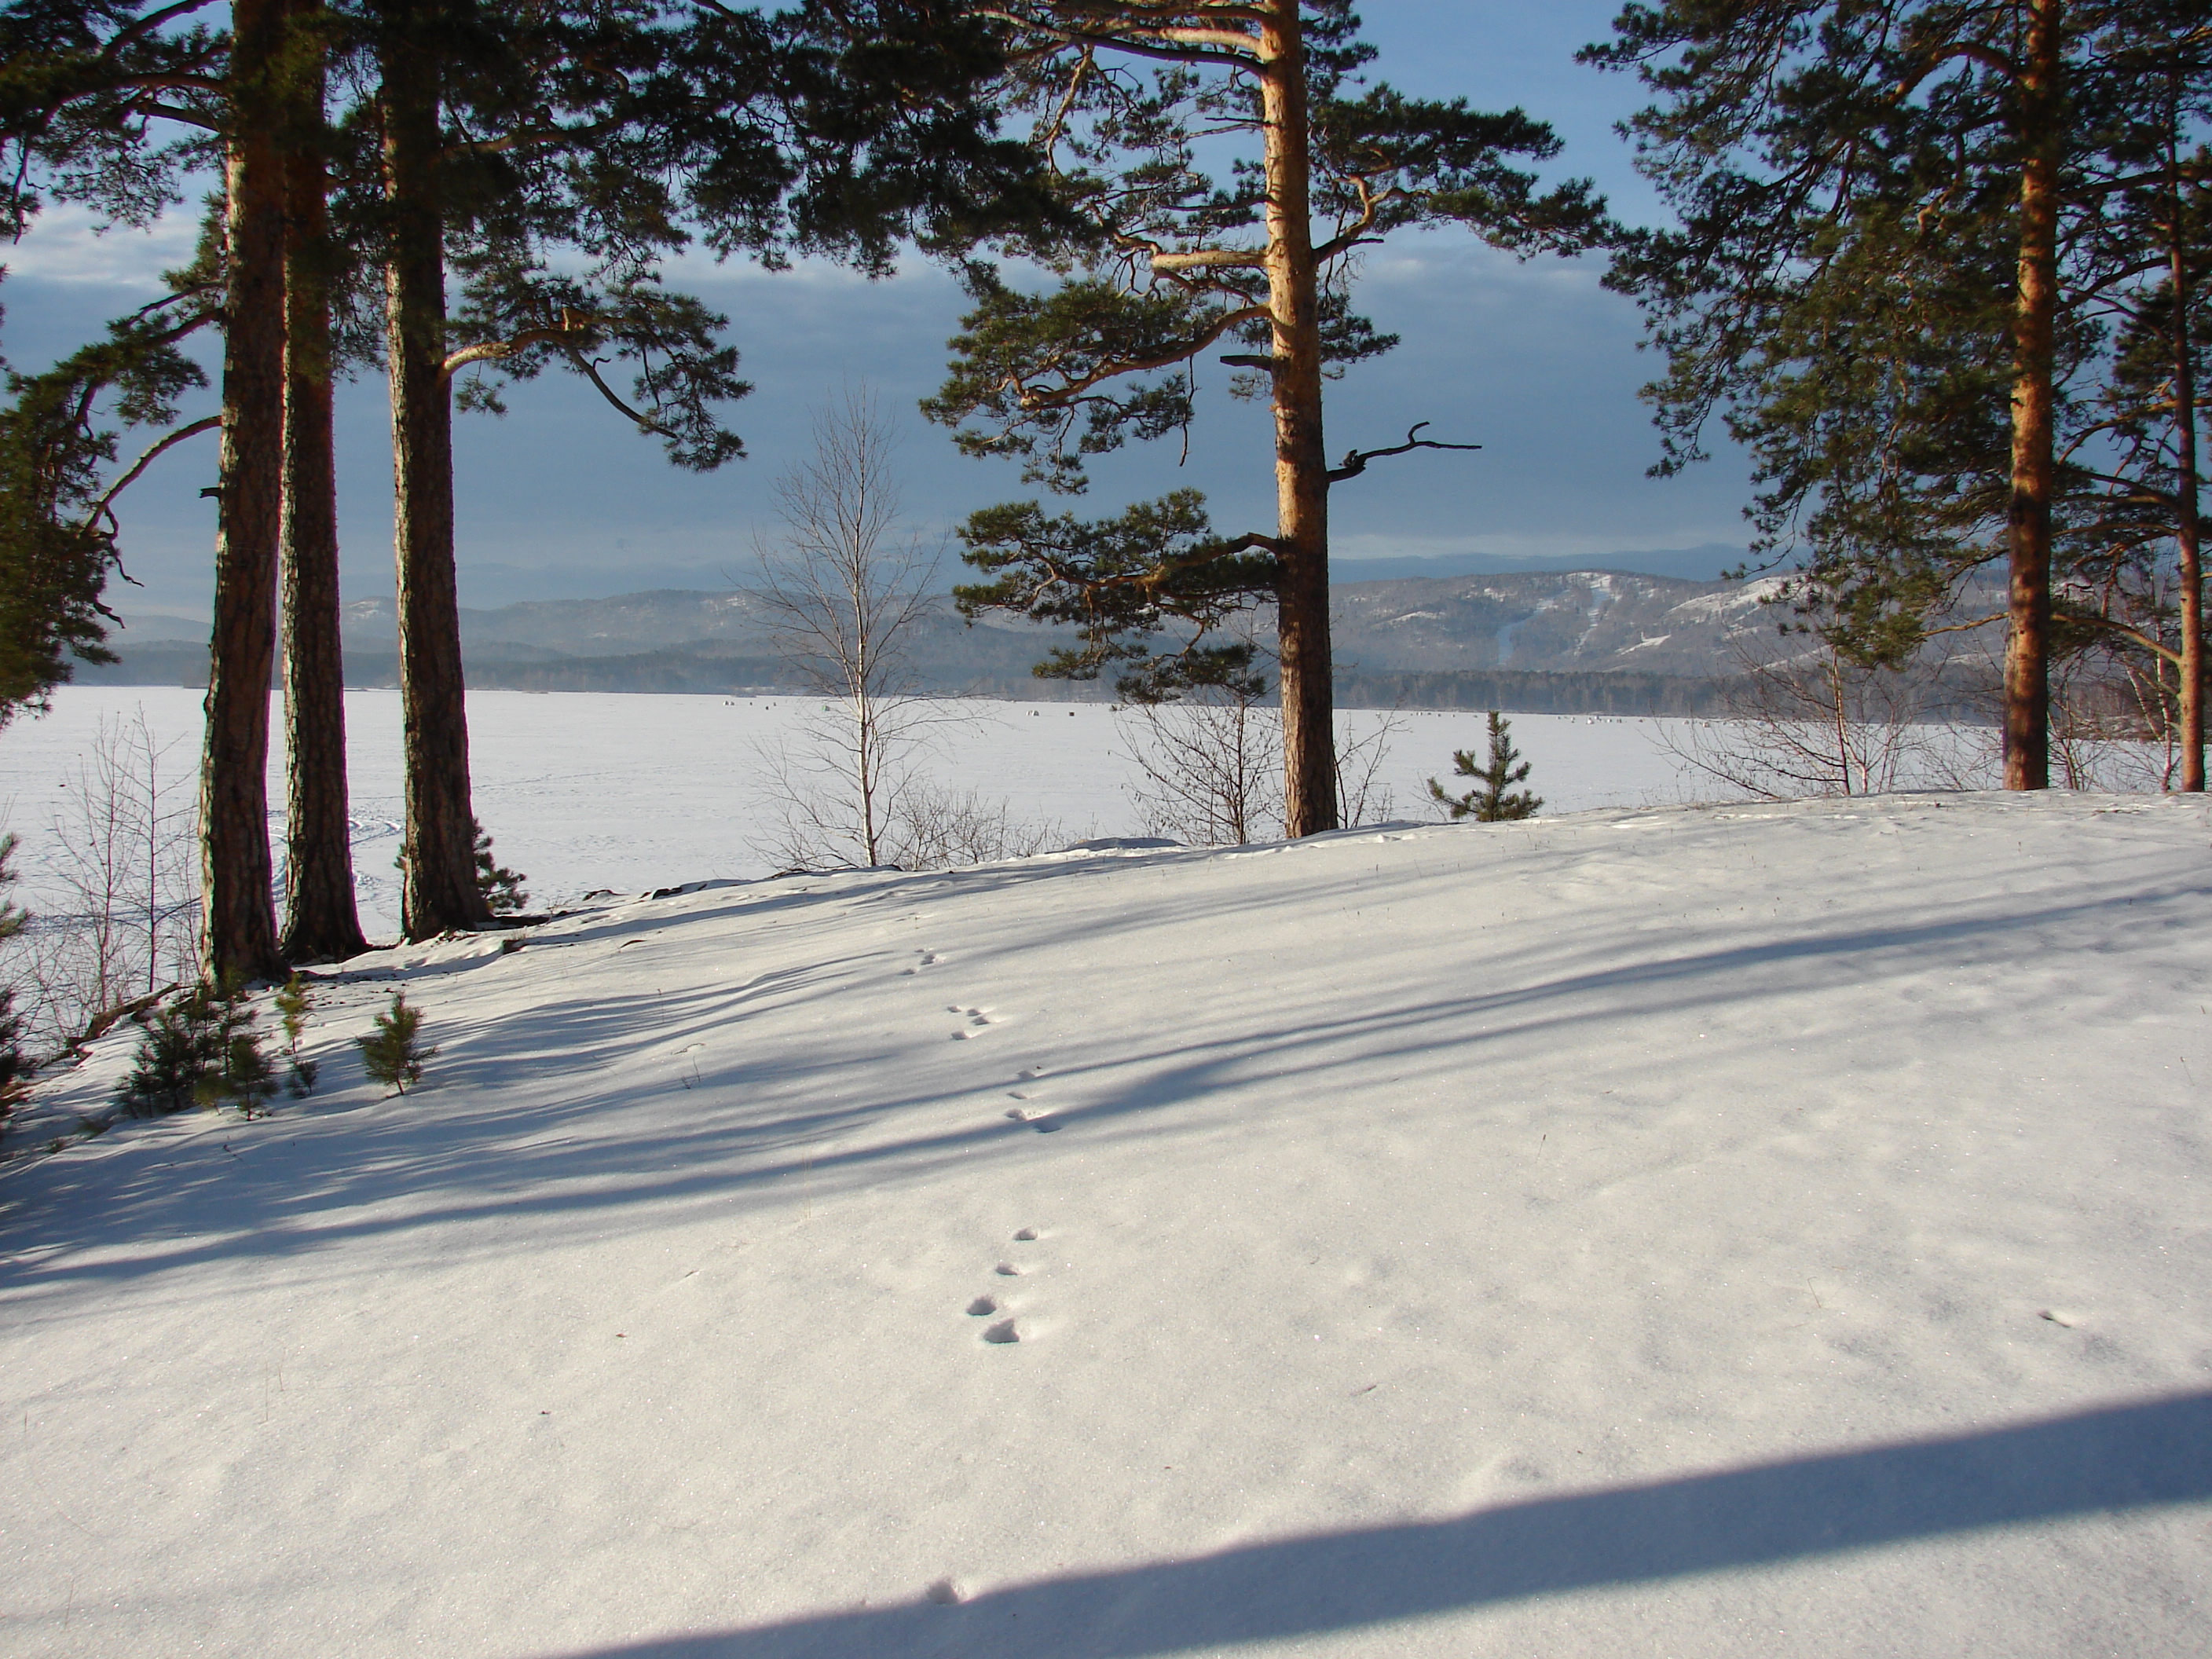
point(1744, 1231)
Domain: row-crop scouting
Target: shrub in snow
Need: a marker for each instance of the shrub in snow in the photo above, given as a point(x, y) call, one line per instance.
point(242, 1075)
point(1494, 799)
point(199, 1049)
point(502, 888)
point(393, 1052)
point(181, 1047)
point(293, 1004)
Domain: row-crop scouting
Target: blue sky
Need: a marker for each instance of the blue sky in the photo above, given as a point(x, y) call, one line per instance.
point(559, 499)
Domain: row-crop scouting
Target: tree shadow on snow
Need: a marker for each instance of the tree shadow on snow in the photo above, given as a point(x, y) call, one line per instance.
point(770, 1115)
point(2120, 1458)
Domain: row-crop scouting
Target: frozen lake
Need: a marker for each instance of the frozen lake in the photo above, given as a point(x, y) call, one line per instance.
point(594, 790)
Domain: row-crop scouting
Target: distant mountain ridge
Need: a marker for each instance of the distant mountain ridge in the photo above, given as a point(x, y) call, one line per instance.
point(1544, 622)
point(1537, 642)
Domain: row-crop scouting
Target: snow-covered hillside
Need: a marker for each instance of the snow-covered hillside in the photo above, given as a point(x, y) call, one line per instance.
point(1758, 1231)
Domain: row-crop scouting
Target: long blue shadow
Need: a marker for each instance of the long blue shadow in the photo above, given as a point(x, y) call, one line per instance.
point(2124, 1457)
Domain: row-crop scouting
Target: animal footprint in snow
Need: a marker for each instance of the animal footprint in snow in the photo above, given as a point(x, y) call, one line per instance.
point(1007, 1270)
point(1004, 1331)
point(977, 1018)
point(982, 1305)
point(924, 959)
point(1027, 1236)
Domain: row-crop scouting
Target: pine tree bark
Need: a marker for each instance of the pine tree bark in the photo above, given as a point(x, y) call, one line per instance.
point(2027, 651)
point(2187, 524)
point(238, 915)
point(438, 863)
point(1301, 458)
point(321, 921)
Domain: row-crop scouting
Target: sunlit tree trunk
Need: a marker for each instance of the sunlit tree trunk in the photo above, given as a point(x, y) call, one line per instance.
point(1301, 463)
point(2028, 652)
point(238, 924)
point(2187, 524)
point(439, 889)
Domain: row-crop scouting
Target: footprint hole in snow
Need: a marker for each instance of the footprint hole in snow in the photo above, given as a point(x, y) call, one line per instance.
point(1018, 1115)
point(1047, 1126)
point(981, 1305)
point(943, 1592)
point(1026, 1236)
point(1004, 1331)
point(1007, 1270)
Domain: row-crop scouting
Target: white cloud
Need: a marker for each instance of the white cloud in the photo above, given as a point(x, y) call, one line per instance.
point(67, 244)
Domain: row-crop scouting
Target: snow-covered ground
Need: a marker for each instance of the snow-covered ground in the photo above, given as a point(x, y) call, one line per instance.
point(1716, 1232)
point(584, 791)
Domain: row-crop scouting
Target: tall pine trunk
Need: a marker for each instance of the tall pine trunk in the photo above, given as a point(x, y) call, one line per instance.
point(2188, 525)
point(1301, 460)
point(2027, 652)
point(321, 923)
point(237, 916)
point(438, 887)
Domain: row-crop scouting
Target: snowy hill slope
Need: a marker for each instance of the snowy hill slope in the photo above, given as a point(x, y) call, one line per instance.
point(1719, 1231)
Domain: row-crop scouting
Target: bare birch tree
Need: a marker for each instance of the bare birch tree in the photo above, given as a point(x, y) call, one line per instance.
point(841, 589)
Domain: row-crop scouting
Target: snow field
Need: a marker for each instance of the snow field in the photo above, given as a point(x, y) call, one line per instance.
point(585, 790)
point(1716, 1231)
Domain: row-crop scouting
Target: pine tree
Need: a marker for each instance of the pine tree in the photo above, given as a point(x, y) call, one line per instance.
point(1170, 264)
point(1888, 277)
point(394, 1052)
point(294, 1003)
point(502, 888)
point(241, 1073)
point(1494, 801)
point(60, 433)
point(182, 1048)
point(548, 160)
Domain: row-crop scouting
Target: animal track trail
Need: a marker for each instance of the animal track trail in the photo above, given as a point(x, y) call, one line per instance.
point(1044, 1122)
point(923, 959)
point(977, 1018)
point(1008, 1329)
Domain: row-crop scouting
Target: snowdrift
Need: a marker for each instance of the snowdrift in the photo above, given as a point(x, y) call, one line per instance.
point(1749, 1230)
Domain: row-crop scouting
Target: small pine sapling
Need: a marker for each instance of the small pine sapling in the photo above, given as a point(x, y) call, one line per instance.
point(394, 1052)
point(241, 1073)
point(502, 888)
point(1494, 799)
point(293, 1005)
point(181, 1047)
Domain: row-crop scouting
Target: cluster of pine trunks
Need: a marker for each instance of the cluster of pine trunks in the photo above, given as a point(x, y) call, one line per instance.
point(276, 570)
